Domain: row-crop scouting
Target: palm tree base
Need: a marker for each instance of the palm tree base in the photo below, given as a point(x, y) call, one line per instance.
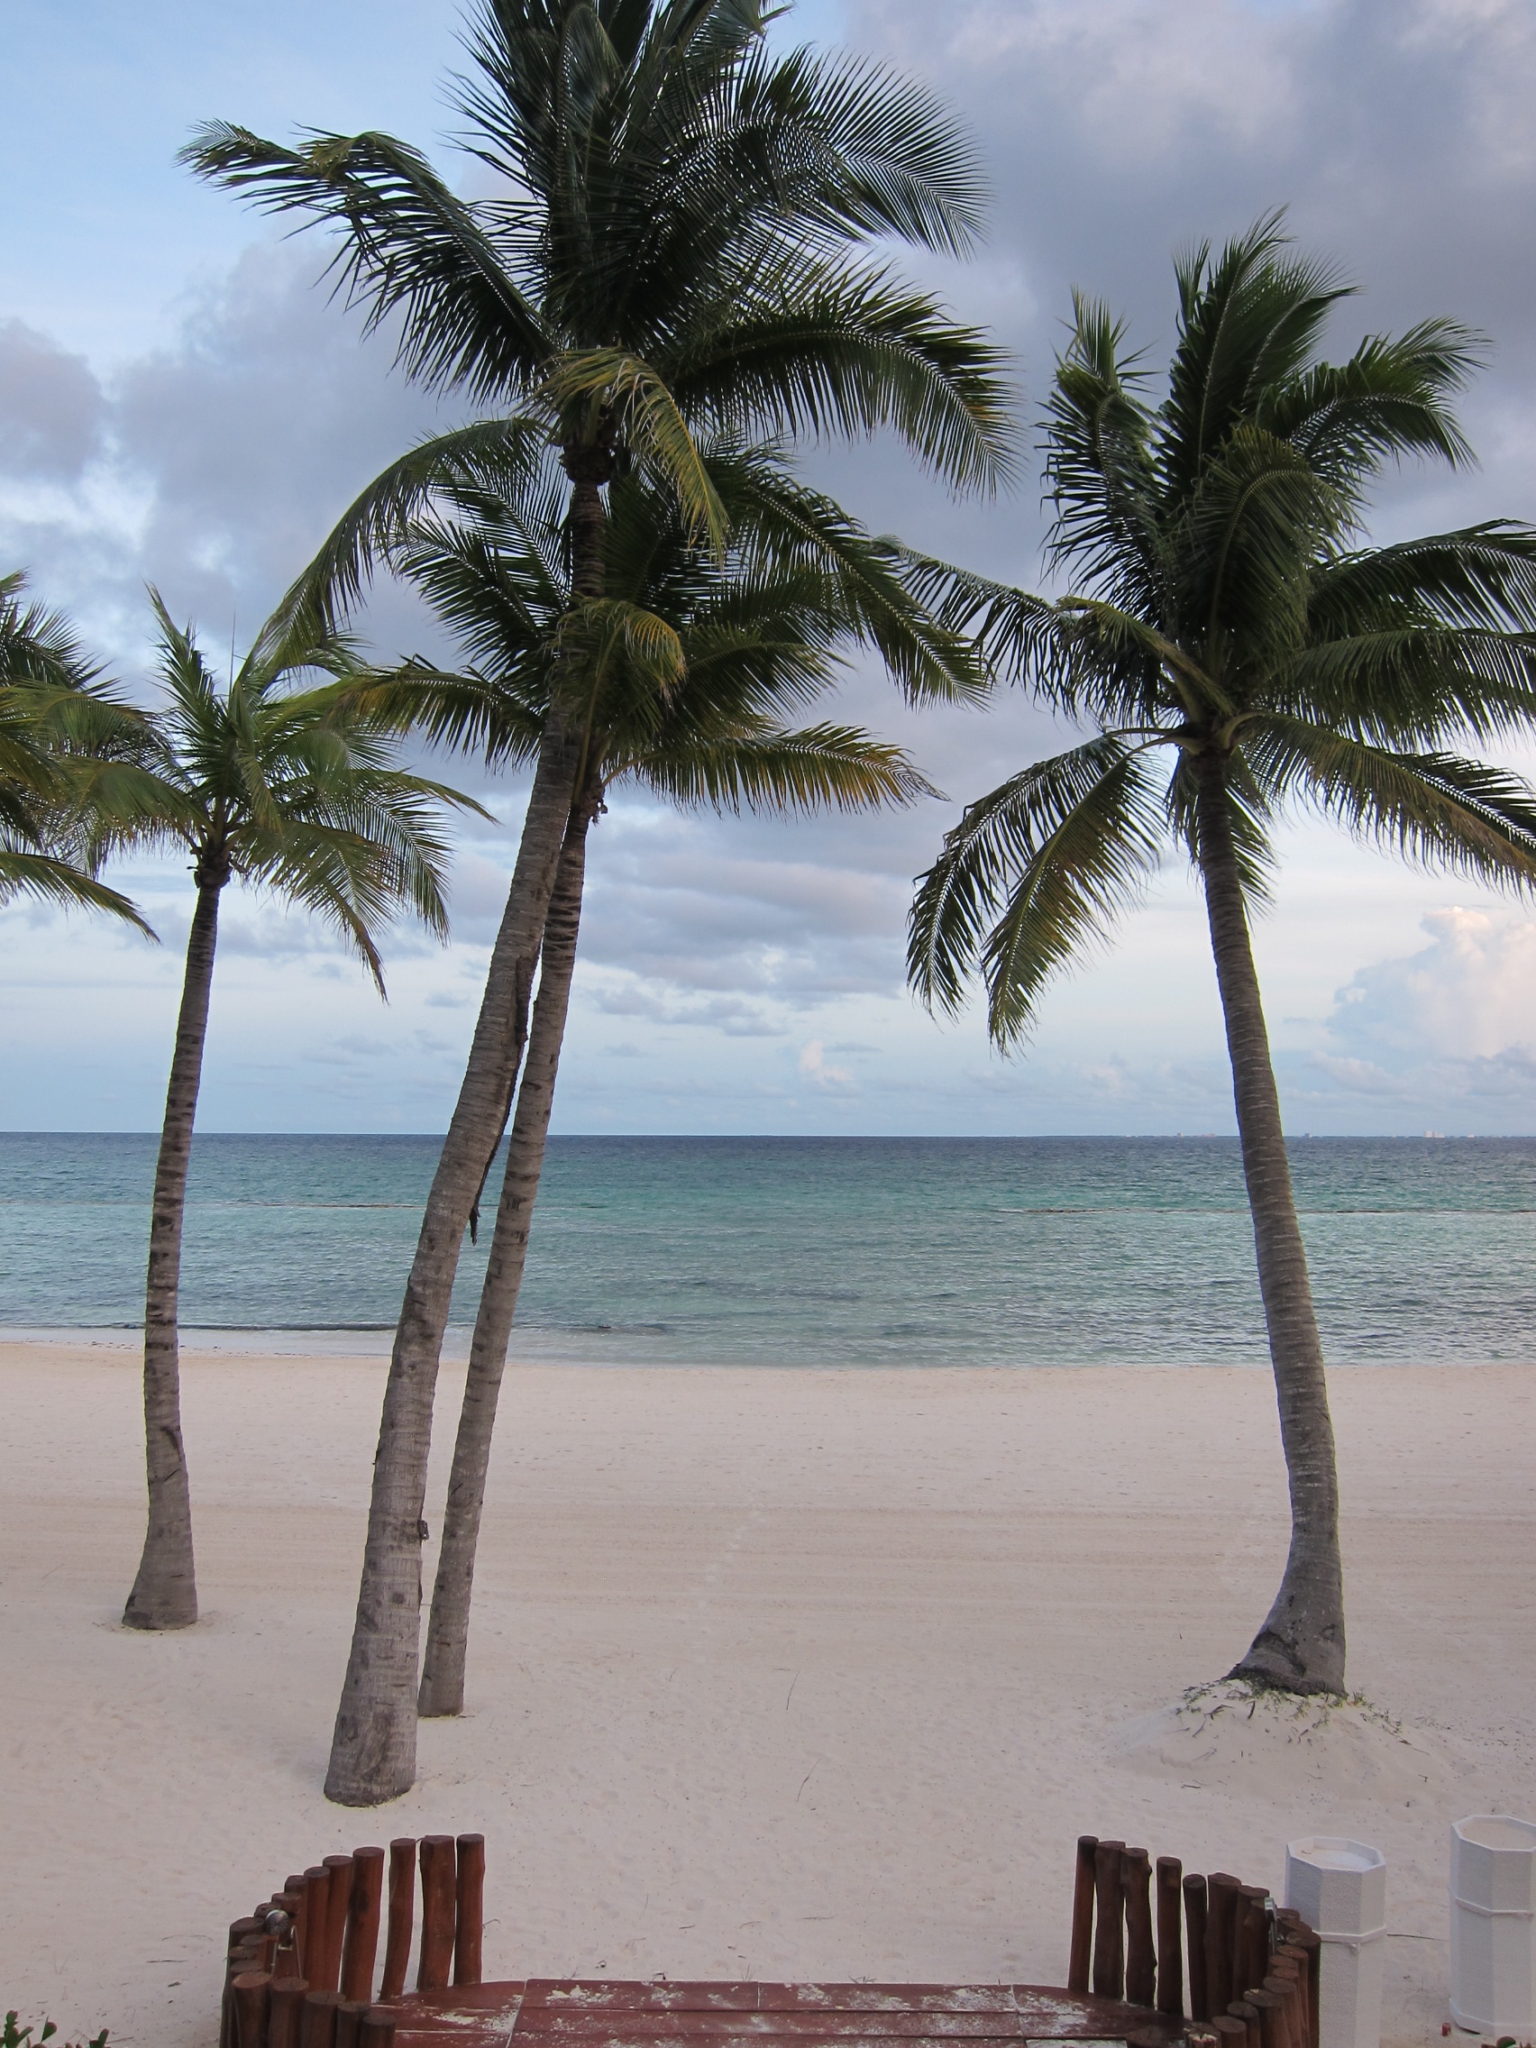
point(173, 1612)
point(1276, 1665)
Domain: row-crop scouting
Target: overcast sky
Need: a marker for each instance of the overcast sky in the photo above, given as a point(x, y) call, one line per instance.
point(180, 403)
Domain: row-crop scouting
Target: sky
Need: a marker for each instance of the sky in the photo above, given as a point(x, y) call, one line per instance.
point(182, 403)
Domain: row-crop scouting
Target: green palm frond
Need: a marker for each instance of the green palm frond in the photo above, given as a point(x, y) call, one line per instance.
point(1030, 875)
point(410, 249)
point(818, 767)
point(1437, 810)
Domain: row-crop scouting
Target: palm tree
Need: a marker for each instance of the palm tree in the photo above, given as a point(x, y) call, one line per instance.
point(70, 751)
point(294, 791)
point(669, 250)
point(1227, 613)
point(692, 660)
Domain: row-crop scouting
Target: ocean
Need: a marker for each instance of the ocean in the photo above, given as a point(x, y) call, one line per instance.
point(809, 1251)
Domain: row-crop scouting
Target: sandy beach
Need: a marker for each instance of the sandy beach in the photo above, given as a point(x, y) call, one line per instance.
point(776, 1674)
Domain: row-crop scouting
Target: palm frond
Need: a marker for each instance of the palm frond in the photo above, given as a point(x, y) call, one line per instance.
point(1031, 874)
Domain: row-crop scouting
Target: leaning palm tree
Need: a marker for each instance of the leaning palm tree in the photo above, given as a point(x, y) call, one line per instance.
point(70, 762)
point(294, 791)
point(692, 661)
point(1228, 617)
point(670, 247)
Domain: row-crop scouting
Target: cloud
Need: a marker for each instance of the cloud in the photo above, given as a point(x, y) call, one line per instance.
point(1453, 1025)
point(813, 1064)
point(52, 409)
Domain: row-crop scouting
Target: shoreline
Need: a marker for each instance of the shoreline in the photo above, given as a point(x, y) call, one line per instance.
point(373, 1343)
point(775, 1672)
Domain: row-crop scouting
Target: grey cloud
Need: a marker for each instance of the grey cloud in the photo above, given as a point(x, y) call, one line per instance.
point(52, 409)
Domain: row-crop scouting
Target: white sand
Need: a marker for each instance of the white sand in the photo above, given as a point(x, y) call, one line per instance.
point(777, 1674)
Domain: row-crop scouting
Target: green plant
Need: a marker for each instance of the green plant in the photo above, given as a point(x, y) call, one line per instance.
point(13, 2036)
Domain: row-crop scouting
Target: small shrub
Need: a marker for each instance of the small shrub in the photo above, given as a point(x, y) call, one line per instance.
point(14, 2036)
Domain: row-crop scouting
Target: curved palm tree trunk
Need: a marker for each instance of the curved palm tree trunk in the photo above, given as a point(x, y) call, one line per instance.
point(1301, 1644)
point(373, 1749)
point(164, 1591)
point(442, 1680)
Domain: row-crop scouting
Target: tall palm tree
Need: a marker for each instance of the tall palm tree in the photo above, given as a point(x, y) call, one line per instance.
point(692, 661)
point(671, 247)
point(1229, 618)
point(296, 792)
point(70, 755)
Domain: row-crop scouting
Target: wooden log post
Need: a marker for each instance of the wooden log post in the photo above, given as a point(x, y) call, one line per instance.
point(312, 1909)
point(248, 1999)
point(1221, 1940)
point(439, 1889)
point(1252, 1936)
point(349, 2017)
point(1271, 2027)
point(1170, 1945)
point(317, 2022)
point(402, 1905)
point(1229, 2032)
point(1109, 1921)
point(1080, 1957)
point(469, 1914)
point(1196, 1908)
point(242, 1957)
point(338, 1906)
point(1240, 2009)
point(362, 1942)
point(284, 2009)
point(377, 2030)
point(1295, 1954)
point(1140, 1949)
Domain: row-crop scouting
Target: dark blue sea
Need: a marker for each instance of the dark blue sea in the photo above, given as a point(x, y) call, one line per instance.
point(811, 1251)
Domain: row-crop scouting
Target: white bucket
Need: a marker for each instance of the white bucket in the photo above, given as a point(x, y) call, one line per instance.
point(1339, 1888)
point(1493, 1924)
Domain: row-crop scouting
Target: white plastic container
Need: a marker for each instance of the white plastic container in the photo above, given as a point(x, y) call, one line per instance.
point(1493, 1924)
point(1339, 1888)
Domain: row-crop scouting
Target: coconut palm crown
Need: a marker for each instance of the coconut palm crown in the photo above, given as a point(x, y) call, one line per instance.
point(71, 763)
point(297, 791)
point(1235, 646)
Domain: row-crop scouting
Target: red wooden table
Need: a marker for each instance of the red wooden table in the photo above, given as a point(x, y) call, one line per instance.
point(572, 2013)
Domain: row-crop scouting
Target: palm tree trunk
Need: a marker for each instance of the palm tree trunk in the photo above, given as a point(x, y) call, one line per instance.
point(373, 1749)
point(1300, 1647)
point(442, 1681)
point(164, 1591)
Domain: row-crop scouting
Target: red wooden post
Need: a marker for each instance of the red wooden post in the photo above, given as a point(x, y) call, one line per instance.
point(1109, 1913)
point(1195, 1928)
point(438, 1900)
point(377, 2030)
point(349, 2016)
point(1081, 1959)
point(1240, 2009)
point(1170, 1946)
point(241, 1957)
point(1221, 1940)
point(1229, 2032)
point(283, 2010)
point(338, 1904)
point(248, 1996)
point(362, 1943)
point(314, 1924)
point(1253, 1935)
point(1140, 1954)
point(402, 1907)
point(317, 2023)
point(469, 1922)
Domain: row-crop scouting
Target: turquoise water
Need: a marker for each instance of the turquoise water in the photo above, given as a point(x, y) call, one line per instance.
point(812, 1251)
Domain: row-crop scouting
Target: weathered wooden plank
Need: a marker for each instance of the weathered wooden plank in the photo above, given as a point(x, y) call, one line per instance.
point(887, 1997)
point(636, 1995)
point(781, 2024)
